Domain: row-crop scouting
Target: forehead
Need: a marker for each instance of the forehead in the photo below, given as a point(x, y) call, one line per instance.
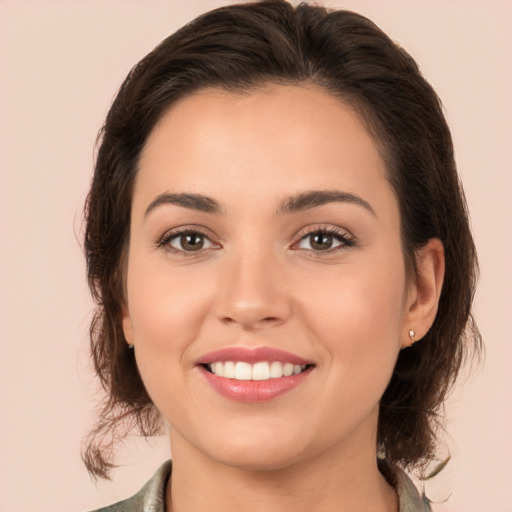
point(263, 142)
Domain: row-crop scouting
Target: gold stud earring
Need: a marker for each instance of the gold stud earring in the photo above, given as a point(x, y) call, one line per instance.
point(412, 335)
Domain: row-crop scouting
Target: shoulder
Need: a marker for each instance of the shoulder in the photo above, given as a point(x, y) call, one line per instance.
point(151, 498)
point(408, 496)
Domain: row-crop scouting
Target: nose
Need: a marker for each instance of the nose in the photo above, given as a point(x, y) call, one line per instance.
point(253, 292)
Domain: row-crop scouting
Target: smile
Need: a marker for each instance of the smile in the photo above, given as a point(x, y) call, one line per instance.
point(260, 374)
point(262, 370)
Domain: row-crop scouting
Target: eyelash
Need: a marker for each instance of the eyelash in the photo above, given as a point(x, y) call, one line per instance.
point(169, 236)
point(346, 240)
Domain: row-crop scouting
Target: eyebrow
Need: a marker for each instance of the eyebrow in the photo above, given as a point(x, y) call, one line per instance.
point(191, 201)
point(315, 198)
point(292, 204)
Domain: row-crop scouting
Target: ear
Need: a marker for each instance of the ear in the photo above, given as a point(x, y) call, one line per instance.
point(424, 292)
point(127, 325)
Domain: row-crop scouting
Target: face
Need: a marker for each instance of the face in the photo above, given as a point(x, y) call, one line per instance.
point(265, 240)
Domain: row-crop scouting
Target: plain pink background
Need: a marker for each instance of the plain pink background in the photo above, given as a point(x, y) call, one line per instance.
point(61, 63)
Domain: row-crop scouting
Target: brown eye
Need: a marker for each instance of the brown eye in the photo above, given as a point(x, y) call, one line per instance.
point(319, 241)
point(190, 242)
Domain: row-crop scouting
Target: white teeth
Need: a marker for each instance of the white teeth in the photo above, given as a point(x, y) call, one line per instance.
point(262, 370)
point(276, 370)
point(243, 371)
point(288, 369)
point(229, 370)
point(217, 368)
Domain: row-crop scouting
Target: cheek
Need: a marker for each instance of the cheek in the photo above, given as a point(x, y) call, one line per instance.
point(166, 312)
point(359, 331)
point(356, 316)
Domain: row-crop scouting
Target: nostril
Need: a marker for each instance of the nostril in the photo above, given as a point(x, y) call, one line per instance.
point(270, 320)
point(251, 323)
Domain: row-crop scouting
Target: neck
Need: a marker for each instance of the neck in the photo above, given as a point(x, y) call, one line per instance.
point(333, 481)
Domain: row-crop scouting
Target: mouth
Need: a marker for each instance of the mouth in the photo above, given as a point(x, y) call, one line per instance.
point(253, 375)
point(259, 371)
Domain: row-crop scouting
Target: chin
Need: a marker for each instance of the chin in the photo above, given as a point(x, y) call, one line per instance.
point(256, 459)
point(263, 449)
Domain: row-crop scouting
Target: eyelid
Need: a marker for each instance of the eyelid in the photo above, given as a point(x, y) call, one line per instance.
point(341, 234)
point(165, 239)
point(344, 236)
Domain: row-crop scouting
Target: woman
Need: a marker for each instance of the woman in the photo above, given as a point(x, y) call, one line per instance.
point(279, 247)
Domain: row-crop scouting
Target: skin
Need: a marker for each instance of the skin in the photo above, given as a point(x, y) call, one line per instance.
point(258, 281)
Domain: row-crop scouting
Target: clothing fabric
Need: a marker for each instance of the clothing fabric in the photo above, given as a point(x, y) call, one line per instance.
point(151, 498)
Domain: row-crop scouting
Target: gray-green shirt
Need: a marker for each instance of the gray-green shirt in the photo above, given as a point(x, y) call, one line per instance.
point(151, 498)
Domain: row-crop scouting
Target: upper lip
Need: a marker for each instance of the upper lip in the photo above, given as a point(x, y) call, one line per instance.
point(252, 355)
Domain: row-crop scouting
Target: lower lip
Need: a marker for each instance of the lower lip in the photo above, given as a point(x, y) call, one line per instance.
point(253, 390)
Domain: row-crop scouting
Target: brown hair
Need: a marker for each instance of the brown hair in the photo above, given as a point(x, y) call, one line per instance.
point(240, 47)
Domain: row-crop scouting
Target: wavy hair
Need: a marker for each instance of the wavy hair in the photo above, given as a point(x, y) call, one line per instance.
point(241, 47)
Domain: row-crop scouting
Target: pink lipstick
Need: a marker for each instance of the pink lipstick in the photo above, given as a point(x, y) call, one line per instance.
point(253, 375)
point(252, 355)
